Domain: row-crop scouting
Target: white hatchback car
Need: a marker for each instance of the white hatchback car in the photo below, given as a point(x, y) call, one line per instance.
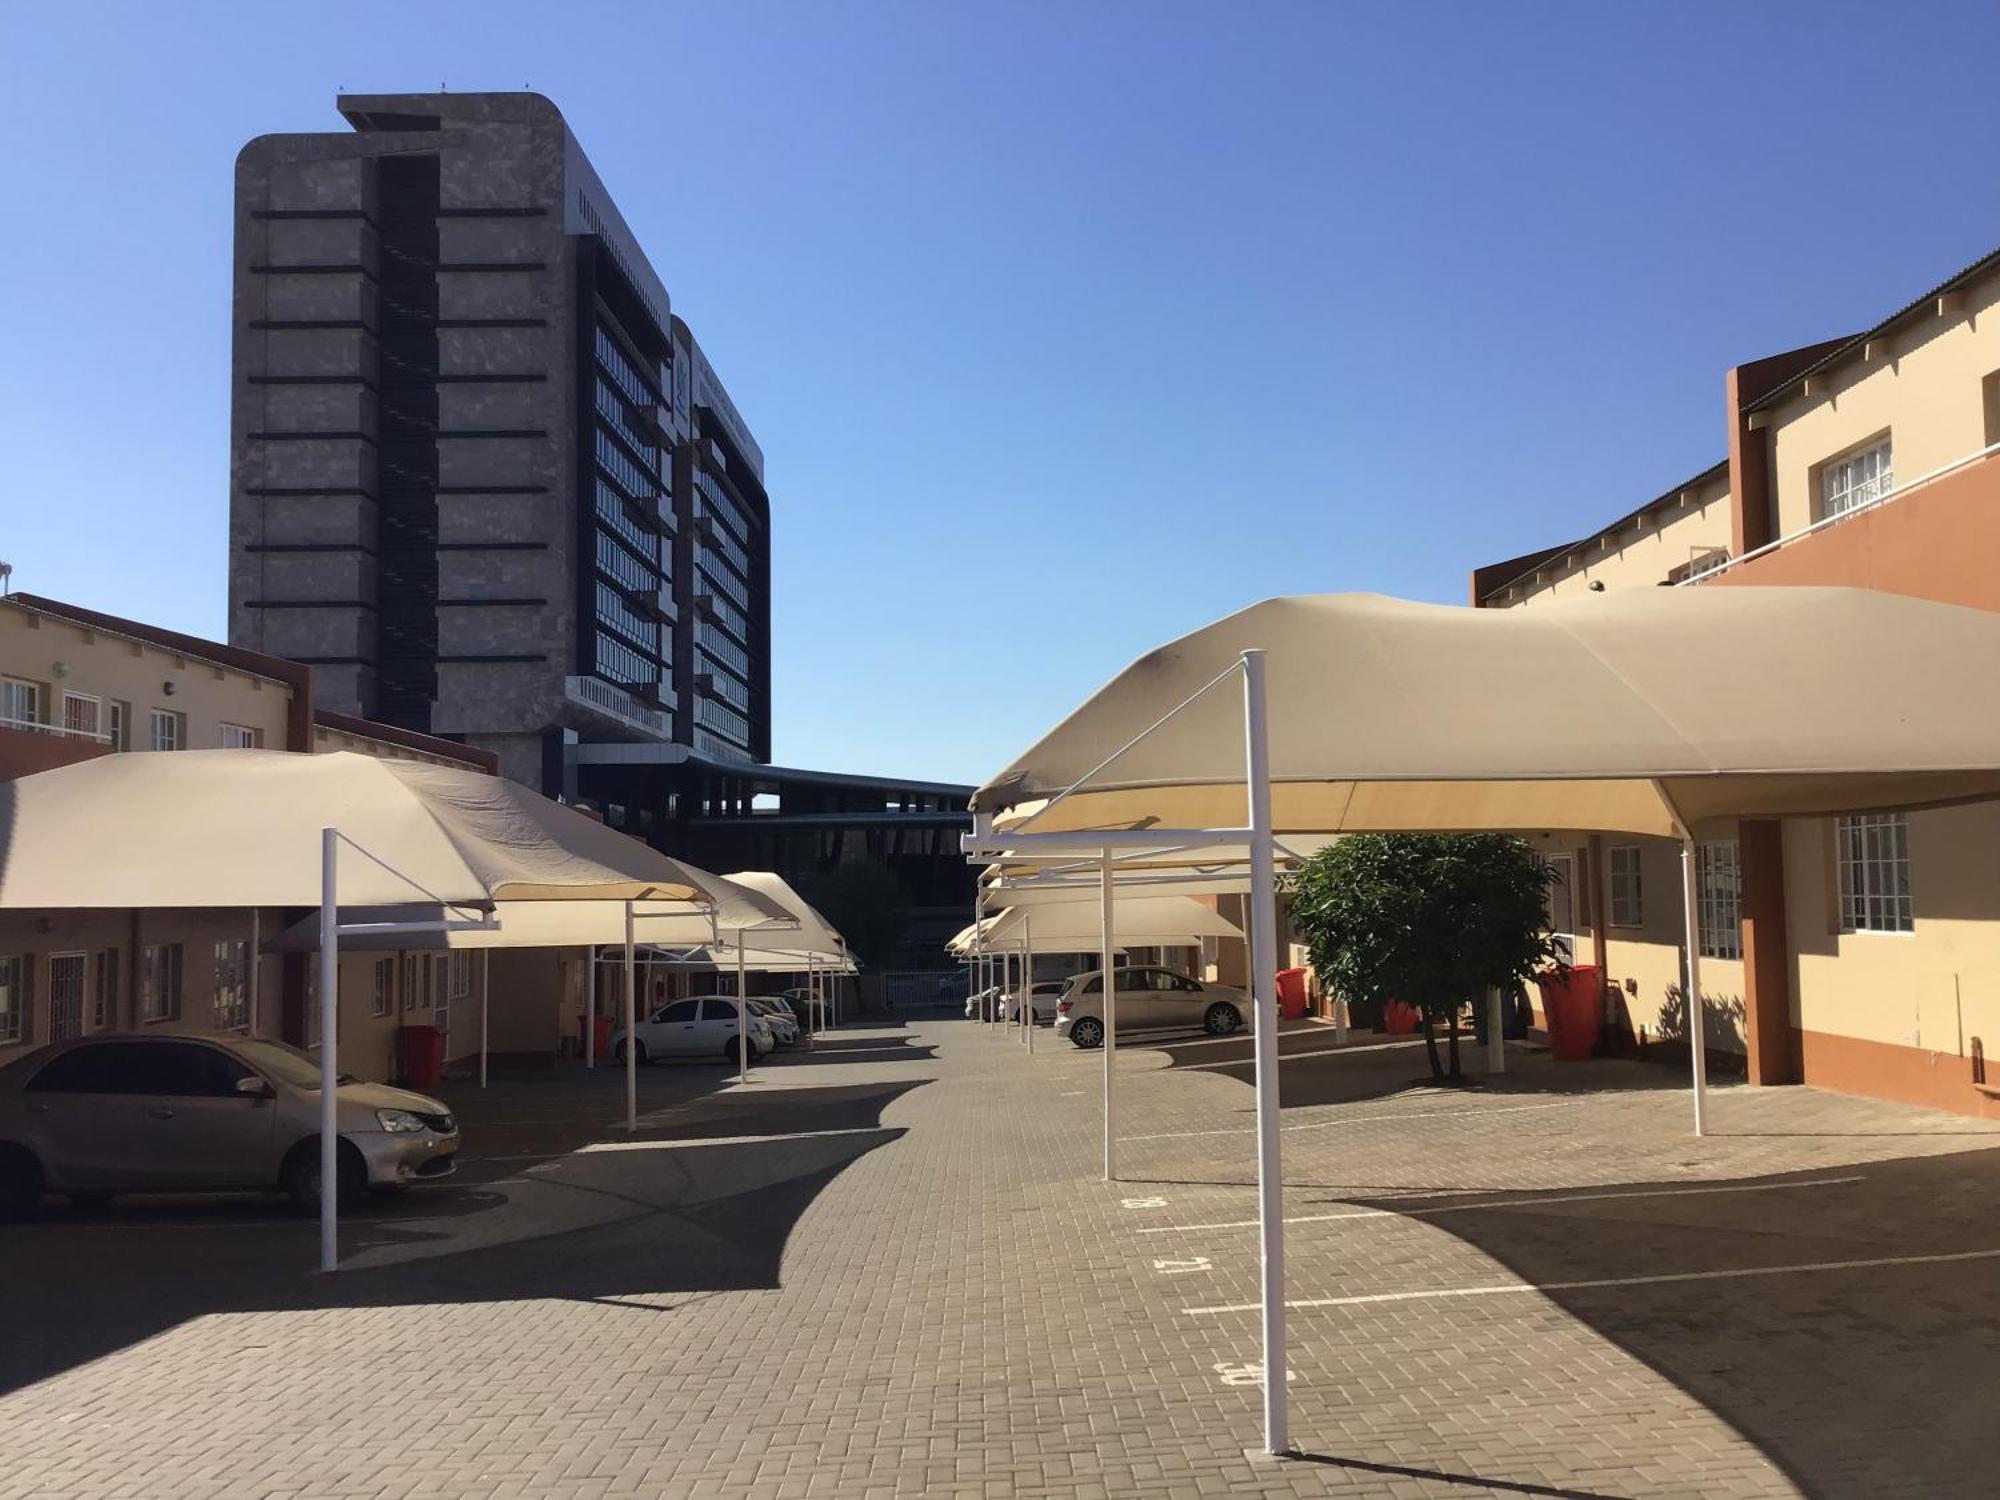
point(1148, 1000)
point(702, 1027)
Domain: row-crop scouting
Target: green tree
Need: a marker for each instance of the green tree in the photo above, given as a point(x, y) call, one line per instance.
point(1433, 920)
point(866, 903)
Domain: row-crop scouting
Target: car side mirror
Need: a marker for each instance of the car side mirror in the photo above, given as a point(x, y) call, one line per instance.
point(254, 1087)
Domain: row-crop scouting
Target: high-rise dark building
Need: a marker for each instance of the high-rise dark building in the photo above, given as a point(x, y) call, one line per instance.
point(482, 478)
point(490, 487)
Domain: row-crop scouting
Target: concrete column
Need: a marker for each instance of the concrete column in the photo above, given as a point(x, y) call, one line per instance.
point(1767, 959)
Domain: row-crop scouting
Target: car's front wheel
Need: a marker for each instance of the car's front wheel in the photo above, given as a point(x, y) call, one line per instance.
point(640, 1057)
point(299, 1176)
point(20, 1183)
point(1087, 1031)
point(1222, 1019)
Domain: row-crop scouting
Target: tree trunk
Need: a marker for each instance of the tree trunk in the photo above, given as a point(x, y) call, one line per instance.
point(1431, 1046)
point(1454, 1043)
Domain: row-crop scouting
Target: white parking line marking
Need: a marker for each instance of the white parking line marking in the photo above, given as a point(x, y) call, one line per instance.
point(1406, 1114)
point(1185, 1267)
point(1145, 1203)
point(716, 1140)
point(1246, 1374)
point(1460, 1208)
point(1735, 1273)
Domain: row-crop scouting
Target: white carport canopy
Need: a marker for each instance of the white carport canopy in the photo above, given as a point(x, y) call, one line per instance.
point(1644, 711)
point(256, 828)
point(1072, 926)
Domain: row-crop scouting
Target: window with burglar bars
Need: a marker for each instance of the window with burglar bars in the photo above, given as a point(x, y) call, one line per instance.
point(1718, 876)
point(232, 984)
point(14, 972)
point(385, 986)
point(160, 982)
point(104, 990)
point(1873, 856)
point(1856, 480)
point(1626, 907)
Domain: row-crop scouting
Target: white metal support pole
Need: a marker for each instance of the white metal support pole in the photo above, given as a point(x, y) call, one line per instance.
point(1697, 1047)
point(1264, 1003)
point(742, 1015)
point(812, 994)
point(256, 962)
point(1028, 976)
point(631, 1032)
point(590, 1010)
point(1108, 986)
point(485, 976)
point(329, 1041)
point(1496, 1036)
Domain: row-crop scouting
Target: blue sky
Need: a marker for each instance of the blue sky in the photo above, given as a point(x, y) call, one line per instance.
point(1065, 327)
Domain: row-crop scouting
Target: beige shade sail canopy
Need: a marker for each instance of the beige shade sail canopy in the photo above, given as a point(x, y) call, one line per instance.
point(776, 958)
point(209, 828)
point(1207, 870)
point(546, 924)
point(810, 931)
point(1642, 711)
point(1073, 927)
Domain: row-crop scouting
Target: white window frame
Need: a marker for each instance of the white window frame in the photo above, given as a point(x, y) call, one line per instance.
point(1871, 854)
point(461, 974)
point(162, 967)
point(20, 703)
point(118, 724)
point(104, 989)
point(94, 729)
point(382, 991)
point(1625, 864)
point(1718, 881)
point(1856, 479)
point(174, 723)
point(16, 993)
point(242, 737)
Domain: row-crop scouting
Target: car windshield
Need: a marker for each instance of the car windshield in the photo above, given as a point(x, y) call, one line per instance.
point(285, 1063)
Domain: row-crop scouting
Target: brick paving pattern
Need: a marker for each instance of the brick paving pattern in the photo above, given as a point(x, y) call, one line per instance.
point(890, 1268)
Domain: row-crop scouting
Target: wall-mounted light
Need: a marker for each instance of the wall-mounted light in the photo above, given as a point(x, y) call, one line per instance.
point(60, 670)
point(167, 688)
point(1597, 585)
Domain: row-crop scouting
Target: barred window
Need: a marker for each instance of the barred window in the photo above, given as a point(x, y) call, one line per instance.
point(1872, 852)
point(104, 995)
point(1856, 480)
point(232, 984)
point(160, 982)
point(1627, 908)
point(13, 998)
point(1718, 875)
point(382, 991)
point(461, 974)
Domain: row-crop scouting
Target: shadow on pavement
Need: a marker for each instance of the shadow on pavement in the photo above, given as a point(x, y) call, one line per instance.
point(1441, 1476)
point(1845, 1320)
point(553, 1200)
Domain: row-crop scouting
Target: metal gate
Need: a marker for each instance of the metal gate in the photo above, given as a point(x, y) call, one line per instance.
point(65, 996)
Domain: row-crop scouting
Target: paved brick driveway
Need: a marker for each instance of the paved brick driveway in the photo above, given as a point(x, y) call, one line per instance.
point(889, 1269)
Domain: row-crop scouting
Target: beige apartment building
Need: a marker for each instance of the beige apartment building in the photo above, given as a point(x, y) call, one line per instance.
point(1862, 953)
point(76, 683)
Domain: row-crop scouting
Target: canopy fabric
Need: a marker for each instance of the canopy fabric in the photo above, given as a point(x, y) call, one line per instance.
point(1074, 926)
point(966, 938)
point(1210, 870)
point(213, 828)
point(1642, 711)
point(776, 959)
point(544, 924)
point(811, 933)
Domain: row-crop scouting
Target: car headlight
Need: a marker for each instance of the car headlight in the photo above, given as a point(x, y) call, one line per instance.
point(399, 1121)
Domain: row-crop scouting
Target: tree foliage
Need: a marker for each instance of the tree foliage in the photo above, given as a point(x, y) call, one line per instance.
point(1432, 920)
